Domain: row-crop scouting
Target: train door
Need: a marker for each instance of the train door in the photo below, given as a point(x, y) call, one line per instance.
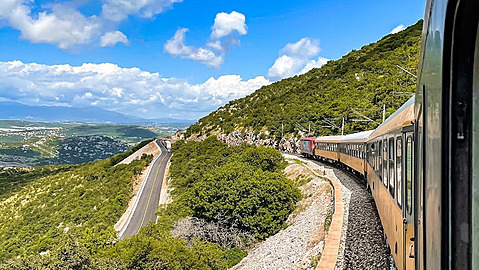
point(475, 160)
point(408, 195)
point(462, 116)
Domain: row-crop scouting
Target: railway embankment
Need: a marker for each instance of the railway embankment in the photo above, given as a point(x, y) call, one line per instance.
point(301, 243)
point(335, 225)
point(362, 243)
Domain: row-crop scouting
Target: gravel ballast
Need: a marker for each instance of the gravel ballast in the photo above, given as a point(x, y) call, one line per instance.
point(300, 245)
point(363, 242)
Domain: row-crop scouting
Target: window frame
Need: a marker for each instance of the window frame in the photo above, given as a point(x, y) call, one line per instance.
point(391, 167)
point(409, 173)
point(399, 171)
point(385, 163)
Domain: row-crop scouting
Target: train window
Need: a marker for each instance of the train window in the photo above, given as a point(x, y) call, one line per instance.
point(380, 160)
point(385, 163)
point(391, 167)
point(399, 170)
point(409, 174)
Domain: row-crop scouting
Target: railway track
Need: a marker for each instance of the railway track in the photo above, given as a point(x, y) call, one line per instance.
point(364, 245)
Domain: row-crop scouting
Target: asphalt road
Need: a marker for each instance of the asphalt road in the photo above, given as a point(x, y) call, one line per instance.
point(150, 195)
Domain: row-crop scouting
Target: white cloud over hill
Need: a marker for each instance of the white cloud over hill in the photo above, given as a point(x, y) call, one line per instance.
point(297, 58)
point(224, 32)
point(397, 29)
point(126, 90)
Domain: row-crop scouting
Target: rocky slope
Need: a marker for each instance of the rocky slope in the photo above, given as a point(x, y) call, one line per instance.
point(237, 137)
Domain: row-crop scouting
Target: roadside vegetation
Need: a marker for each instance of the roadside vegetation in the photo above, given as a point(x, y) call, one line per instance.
point(355, 87)
point(38, 205)
point(224, 199)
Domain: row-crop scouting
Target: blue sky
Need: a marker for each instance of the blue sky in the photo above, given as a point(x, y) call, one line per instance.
point(252, 49)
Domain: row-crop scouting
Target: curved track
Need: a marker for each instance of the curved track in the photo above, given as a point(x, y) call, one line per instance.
point(365, 247)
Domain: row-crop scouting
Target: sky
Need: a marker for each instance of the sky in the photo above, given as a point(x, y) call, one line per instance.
point(177, 58)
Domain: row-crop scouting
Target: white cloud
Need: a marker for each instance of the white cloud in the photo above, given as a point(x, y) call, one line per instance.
point(304, 47)
point(226, 23)
point(232, 85)
point(176, 47)
point(110, 39)
point(126, 90)
point(314, 64)
point(118, 10)
point(397, 29)
point(285, 66)
point(63, 25)
point(224, 30)
point(295, 59)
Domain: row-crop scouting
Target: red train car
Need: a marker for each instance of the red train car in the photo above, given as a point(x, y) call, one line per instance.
point(307, 147)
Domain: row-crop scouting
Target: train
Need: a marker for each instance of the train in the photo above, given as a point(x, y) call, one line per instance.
point(421, 164)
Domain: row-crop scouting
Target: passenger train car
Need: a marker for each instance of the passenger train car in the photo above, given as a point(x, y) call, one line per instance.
point(422, 164)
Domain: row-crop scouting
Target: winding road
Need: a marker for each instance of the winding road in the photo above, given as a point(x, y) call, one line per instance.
point(149, 196)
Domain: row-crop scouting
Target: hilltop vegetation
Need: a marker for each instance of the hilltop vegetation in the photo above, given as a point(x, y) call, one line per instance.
point(359, 83)
point(224, 199)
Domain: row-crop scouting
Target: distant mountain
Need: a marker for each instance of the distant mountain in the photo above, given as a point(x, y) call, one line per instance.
point(354, 87)
point(19, 111)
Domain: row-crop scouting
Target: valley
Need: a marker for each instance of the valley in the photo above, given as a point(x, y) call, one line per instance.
point(24, 143)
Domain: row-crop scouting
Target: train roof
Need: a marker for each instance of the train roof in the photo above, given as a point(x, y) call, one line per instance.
point(357, 137)
point(329, 139)
point(400, 118)
point(308, 139)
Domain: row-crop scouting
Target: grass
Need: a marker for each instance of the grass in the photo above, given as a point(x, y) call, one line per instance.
point(315, 260)
point(302, 180)
point(329, 219)
point(297, 161)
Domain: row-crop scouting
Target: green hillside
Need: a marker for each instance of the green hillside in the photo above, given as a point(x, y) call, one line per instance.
point(39, 205)
point(357, 85)
point(62, 217)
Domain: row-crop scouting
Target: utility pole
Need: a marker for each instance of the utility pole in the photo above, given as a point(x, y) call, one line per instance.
point(282, 130)
point(342, 128)
point(309, 128)
point(384, 112)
